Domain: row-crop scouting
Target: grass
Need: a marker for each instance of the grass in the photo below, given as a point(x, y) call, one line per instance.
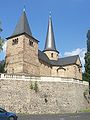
point(86, 110)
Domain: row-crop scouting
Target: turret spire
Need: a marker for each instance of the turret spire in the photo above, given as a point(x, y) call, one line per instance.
point(22, 25)
point(50, 14)
point(24, 9)
point(50, 40)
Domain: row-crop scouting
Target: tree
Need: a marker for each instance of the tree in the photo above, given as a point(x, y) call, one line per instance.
point(88, 41)
point(2, 65)
point(1, 40)
point(87, 67)
point(86, 75)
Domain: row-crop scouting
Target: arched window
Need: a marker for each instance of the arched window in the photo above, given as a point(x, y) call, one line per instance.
point(31, 43)
point(15, 41)
point(12, 70)
point(52, 55)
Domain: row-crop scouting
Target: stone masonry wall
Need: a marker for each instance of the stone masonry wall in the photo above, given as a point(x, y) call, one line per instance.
point(54, 57)
point(22, 57)
point(45, 69)
point(14, 55)
point(51, 97)
point(68, 71)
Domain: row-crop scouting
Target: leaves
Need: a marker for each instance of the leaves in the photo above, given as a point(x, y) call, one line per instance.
point(1, 44)
point(86, 74)
point(88, 45)
point(1, 40)
point(36, 87)
point(87, 66)
point(2, 65)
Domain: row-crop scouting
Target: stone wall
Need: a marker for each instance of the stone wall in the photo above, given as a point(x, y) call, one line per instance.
point(45, 69)
point(22, 57)
point(47, 95)
point(30, 59)
point(14, 55)
point(67, 71)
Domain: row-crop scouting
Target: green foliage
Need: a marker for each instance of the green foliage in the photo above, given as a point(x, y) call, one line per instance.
point(88, 45)
point(88, 41)
point(86, 75)
point(85, 111)
point(86, 94)
point(2, 65)
point(36, 87)
point(31, 86)
point(1, 44)
point(83, 76)
point(1, 40)
point(0, 27)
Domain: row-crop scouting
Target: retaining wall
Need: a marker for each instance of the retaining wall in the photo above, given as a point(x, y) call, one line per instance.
point(47, 95)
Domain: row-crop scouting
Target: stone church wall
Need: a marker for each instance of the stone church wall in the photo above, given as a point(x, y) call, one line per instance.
point(67, 71)
point(47, 95)
point(45, 69)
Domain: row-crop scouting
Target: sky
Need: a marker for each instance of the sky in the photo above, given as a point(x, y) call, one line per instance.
point(71, 21)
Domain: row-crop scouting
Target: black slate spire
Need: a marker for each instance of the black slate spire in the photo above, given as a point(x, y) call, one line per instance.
point(50, 40)
point(22, 25)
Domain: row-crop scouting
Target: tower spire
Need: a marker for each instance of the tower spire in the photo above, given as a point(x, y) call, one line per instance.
point(24, 9)
point(50, 40)
point(22, 25)
point(50, 14)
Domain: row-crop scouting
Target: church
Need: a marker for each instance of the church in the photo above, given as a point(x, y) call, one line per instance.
point(24, 57)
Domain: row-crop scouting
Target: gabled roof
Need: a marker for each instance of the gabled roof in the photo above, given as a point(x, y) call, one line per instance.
point(43, 57)
point(50, 40)
point(60, 62)
point(22, 26)
point(65, 61)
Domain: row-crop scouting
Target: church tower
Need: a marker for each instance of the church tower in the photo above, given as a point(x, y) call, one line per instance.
point(50, 47)
point(22, 49)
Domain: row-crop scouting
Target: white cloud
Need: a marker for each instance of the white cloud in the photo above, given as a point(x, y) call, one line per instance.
point(4, 46)
point(81, 52)
point(3, 52)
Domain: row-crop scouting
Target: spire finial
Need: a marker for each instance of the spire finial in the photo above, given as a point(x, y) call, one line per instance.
point(50, 14)
point(24, 9)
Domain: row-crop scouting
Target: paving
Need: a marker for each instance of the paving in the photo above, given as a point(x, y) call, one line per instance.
point(79, 116)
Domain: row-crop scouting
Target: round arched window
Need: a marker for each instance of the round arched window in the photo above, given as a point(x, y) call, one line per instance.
point(51, 54)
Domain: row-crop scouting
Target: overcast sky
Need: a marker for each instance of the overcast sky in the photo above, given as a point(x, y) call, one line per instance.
point(71, 21)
